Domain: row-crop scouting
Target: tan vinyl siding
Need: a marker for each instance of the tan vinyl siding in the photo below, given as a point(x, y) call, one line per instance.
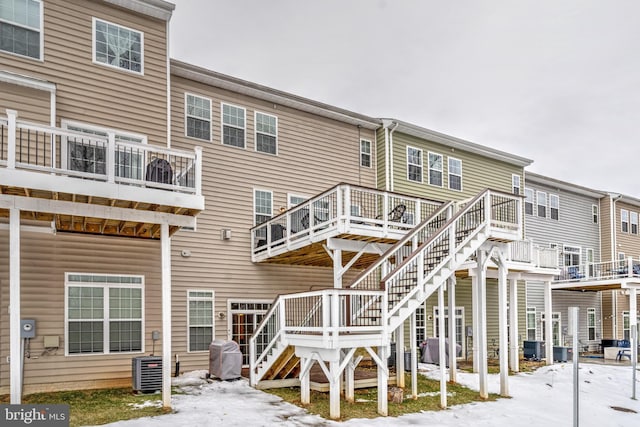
point(93, 93)
point(314, 154)
point(605, 229)
point(627, 242)
point(32, 105)
point(478, 172)
point(45, 260)
point(607, 313)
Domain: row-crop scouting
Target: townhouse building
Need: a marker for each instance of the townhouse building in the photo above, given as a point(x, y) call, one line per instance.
point(565, 217)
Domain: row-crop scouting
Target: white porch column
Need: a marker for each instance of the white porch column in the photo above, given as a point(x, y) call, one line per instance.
point(11, 138)
point(383, 381)
point(165, 243)
point(15, 361)
point(334, 389)
point(349, 380)
point(414, 356)
point(514, 355)
point(337, 268)
point(400, 356)
point(451, 294)
point(474, 323)
point(305, 385)
point(502, 327)
point(548, 323)
point(633, 325)
point(442, 351)
point(481, 306)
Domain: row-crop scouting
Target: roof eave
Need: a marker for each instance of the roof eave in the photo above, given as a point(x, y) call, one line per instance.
point(155, 8)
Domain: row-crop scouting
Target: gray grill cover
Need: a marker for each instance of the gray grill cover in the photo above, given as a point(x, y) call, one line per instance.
point(225, 360)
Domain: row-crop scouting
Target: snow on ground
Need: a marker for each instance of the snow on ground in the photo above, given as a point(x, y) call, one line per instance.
point(541, 398)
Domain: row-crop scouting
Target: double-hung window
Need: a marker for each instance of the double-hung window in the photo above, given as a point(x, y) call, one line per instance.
point(365, 153)
point(435, 169)
point(542, 204)
point(233, 125)
point(414, 164)
point(554, 206)
point(528, 201)
point(531, 323)
point(104, 313)
point(200, 319)
point(515, 184)
point(117, 46)
point(634, 222)
point(591, 323)
point(21, 27)
point(624, 220)
point(198, 117)
point(262, 205)
point(266, 133)
point(87, 152)
point(455, 174)
point(594, 213)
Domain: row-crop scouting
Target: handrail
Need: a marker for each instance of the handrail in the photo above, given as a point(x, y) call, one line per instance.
point(605, 270)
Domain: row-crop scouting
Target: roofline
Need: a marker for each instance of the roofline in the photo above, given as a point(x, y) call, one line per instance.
point(625, 198)
point(458, 143)
point(155, 8)
point(223, 81)
point(563, 185)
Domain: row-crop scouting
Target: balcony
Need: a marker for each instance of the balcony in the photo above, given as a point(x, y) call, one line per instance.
point(114, 179)
point(599, 275)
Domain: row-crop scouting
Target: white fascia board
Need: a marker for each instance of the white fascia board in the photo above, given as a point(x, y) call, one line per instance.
point(563, 185)
point(460, 144)
point(27, 81)
point(155, 8)
point(212, 78)
point(65, 184)
point(61, 207)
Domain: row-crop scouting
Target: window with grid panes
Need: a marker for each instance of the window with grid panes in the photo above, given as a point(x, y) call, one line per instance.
point(198, 114)
point(435, 169)
point(414, 164)
point(266, 133)
point(233, 125)
point(365, 153)
point(21, 27)
point(117, 46)
point(455, 174)
point(200, 318)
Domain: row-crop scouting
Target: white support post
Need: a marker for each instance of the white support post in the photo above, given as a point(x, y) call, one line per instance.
point(349, 380)
point(548, 323)
point(305, 384)
point(111, 157)
point(334, 390)
point(633, 325)
point(337, 268)
point(442, 351)
point(15, 354)
point(482, 324)
point(12, 115)
point(165, 240)
point(400, 356)
point(502, 327)
point(514, 355)
point(451, 294)
point(198, 172)
point(414, 356)
point(383, 381)
point(474, 323)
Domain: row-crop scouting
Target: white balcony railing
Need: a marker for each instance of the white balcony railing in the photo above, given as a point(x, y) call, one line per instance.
point(608, 270)
point(41, 148)
point(525, 251)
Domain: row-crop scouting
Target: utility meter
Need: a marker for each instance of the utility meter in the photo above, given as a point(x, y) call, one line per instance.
point(27, 328)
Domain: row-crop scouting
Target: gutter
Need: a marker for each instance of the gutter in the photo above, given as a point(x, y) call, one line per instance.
point(388, 152)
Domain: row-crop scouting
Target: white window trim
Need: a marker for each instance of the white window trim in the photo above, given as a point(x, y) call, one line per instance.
point(255, 132)
point(534, 327)
point(370, 153)
point(592, 311)
point(291, 195)
point(514, 178)
point(414, 164)
point(441, 168)
point(186, 116)
point(450, 173)
point(222, 125)
point(213, 317)
point(595, 214)
point(255, 206)
point(114, 67)
point(553, 197)
point(545, 204)
point(622, 221)
point(243, 301)
point(106, 317)
point(40, 57)
point(533, 200)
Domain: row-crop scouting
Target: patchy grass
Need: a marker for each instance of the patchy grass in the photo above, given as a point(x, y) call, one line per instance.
point(494, 366)
point(95, 407)
point(366, 400)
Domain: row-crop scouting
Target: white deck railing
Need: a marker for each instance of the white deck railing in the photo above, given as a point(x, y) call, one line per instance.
point(343, 207)
point(526, 252)
point(58, 151)
point(593, 271)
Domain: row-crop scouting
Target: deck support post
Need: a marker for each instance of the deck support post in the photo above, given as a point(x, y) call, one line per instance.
point(349, 380)
point(383, 381)
point(451, 295)
point(548, 323)
point(633, 325)
point(334, 389)
point(337, 268)
point(514, 363)
point(165, 244)
point(503, 353)
point(442, 351)
point(414, 356)
point(305, 384)
point(474, 323)
point(480, 306)
point(15, 347)
point(400, 356)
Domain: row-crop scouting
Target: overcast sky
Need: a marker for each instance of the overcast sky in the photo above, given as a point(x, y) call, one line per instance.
point(556, 81)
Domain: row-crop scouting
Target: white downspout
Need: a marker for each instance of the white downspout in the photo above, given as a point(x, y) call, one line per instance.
point(614, 258)
point(391, 154)
point(168, 90)
point(386, 158)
